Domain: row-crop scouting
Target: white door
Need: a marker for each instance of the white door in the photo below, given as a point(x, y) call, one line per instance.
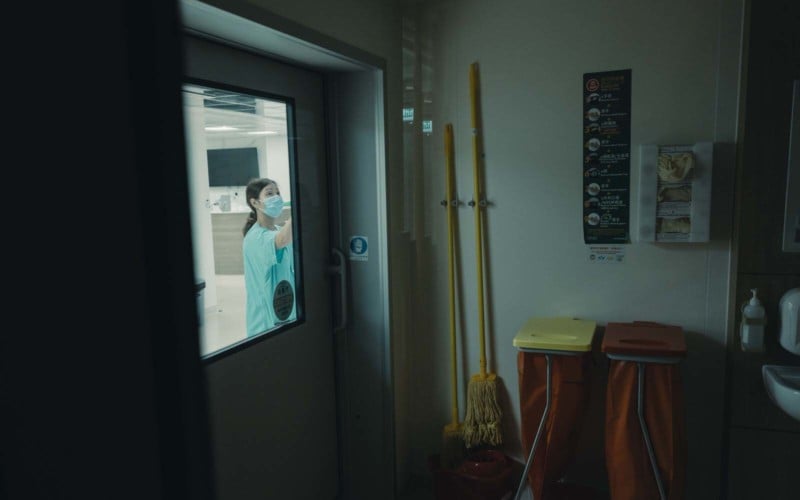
point(272, 395)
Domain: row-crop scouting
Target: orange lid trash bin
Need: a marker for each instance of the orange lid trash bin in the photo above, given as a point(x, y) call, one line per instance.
point(645, 431)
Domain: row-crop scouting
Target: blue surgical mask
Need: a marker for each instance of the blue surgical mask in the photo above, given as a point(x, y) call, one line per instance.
point(273, 205)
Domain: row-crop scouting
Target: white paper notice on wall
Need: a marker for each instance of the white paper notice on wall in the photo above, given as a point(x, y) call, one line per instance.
point(606, 254)
point(359, 248)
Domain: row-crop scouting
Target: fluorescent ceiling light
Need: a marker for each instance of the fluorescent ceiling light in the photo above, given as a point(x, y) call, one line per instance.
point(262, 132)
point(221, 128)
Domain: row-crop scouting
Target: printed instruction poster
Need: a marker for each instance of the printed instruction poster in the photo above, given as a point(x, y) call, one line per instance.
point(606, 157)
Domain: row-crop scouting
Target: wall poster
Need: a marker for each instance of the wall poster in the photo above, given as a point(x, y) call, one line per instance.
point(606, 157)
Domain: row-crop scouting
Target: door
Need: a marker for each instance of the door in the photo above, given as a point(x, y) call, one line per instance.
point(271, 394)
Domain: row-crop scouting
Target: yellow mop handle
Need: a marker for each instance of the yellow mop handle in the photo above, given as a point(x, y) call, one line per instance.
point(450, 199)
point(476, 197)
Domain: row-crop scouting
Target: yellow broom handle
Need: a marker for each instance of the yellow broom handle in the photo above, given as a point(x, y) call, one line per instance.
point(476, 197)
point(449, 198)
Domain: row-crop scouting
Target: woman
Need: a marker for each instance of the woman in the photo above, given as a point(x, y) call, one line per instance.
point(268, 259)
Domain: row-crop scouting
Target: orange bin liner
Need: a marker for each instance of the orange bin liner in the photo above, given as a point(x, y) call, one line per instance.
point(569, 398)
point(630, 473)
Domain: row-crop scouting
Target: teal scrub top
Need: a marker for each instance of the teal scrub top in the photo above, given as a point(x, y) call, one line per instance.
point(265, 267)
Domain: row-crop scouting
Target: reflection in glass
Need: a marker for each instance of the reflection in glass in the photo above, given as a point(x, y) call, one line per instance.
point(242, 231)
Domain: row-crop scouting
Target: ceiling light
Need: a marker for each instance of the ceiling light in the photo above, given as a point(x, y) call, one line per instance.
point(221, 128)
point(262, 132)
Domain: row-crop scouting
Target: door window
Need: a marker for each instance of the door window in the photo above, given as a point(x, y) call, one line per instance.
point(241, 174)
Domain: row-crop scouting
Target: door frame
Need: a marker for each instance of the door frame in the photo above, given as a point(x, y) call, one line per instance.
point(355, 88)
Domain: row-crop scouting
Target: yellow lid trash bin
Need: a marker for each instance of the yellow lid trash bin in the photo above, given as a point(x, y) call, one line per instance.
point(553, 364)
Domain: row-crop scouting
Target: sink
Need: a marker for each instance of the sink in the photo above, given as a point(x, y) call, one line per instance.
point(783, 386)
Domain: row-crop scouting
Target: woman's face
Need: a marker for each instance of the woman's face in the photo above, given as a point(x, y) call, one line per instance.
point(267, 191)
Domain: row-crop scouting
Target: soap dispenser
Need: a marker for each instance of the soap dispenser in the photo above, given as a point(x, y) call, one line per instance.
point(752, 326)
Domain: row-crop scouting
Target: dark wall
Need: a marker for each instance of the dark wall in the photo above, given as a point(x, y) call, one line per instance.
point(774, 63)
point(764, 443)
point(101, 393)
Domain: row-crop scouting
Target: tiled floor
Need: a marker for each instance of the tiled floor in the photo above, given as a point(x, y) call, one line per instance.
point(224, 324)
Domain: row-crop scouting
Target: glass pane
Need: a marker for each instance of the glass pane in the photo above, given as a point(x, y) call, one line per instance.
point(240, 174)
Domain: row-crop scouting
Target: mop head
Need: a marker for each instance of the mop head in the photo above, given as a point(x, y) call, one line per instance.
point(453, 448)
point(482, 422)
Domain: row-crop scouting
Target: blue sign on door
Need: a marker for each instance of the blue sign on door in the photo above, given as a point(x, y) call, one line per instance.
point(359, 248)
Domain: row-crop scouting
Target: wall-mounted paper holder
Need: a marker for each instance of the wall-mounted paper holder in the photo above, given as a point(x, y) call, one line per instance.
point(675, 192)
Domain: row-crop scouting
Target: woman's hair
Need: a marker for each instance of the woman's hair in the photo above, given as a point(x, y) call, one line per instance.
point(253, 190)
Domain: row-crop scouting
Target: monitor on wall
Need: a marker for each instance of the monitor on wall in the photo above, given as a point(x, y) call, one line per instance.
point(232, 166)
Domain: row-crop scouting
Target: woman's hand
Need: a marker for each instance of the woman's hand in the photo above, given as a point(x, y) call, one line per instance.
point(284, 236)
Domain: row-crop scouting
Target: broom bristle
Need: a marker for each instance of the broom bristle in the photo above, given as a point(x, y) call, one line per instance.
point(482, 421)
point(453, 448)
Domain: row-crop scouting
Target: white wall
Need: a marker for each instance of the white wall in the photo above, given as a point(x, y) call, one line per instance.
point(532, 55)
point(197, 164)
point(277, 165)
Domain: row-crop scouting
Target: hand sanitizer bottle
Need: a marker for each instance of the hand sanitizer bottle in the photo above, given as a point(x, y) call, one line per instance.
point(752, 326)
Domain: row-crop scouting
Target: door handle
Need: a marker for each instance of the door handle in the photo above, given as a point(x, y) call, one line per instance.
point(340, 270)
